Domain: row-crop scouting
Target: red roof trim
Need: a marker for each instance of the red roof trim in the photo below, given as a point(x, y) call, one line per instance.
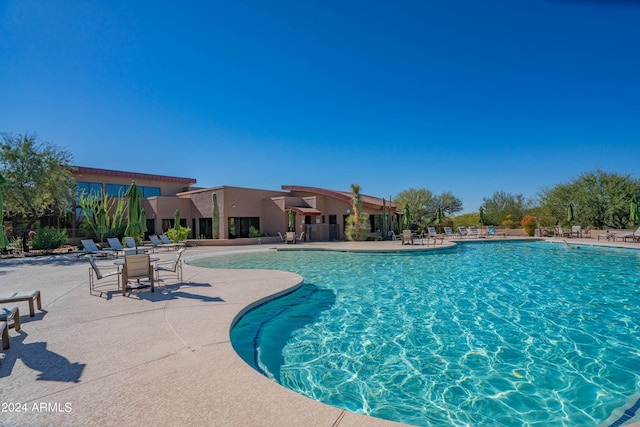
point(303, 211)
point(370, 201)
point(97, 171)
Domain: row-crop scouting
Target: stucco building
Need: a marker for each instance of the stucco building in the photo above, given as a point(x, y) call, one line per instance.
point(320, 213)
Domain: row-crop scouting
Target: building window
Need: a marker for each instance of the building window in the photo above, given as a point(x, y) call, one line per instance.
point(116, 190)
point(150, 191)
point(239, 226)
point(206, 227)
point(87, 188)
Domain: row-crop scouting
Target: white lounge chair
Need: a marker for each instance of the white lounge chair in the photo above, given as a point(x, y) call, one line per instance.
point(30, 296)
point(282, 239)
point(300, 238)
point(635, 236)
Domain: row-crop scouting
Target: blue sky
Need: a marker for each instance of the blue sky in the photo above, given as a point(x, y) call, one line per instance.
point(463, 96)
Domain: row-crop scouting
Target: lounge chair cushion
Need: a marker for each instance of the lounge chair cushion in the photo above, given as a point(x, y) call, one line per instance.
point(29, 296)
point(11, 314)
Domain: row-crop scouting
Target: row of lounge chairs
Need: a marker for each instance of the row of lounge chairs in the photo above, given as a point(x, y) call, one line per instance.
point(634, 236)
point(10, 315)
point(115, 247)
point(407, 236)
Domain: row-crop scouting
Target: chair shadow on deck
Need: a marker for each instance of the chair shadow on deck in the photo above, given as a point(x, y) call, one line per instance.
point(176, 291)
point(52, 366)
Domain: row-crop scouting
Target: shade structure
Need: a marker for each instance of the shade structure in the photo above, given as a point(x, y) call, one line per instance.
point(134, 213)
point(292, 219)
point(481, 218)
point(633, 209)
point(570, 213)
point(406, 220)
point(4, 242)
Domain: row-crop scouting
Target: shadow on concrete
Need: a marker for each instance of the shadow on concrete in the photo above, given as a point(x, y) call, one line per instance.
point(173, 292)
point(52, 366)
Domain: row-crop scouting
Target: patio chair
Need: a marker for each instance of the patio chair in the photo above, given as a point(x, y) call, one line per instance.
point(136, 267)
point(473, 232)
point(91, 248)
point(99, 274)
point(561, 232)
point(407, 237)
point(282, 239)
point(463, 231)
point(576, 231)
point(30, 296)
point(290, 237)
point(155, 241)
point(300, 238)
point(173, 266)
point(115, 245)
point(394, 237)
point(448, 232)
point(167, 241)
point(491, 231)
point(435, 235)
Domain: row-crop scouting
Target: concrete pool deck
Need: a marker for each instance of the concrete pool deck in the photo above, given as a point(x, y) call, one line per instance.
point(162, 358)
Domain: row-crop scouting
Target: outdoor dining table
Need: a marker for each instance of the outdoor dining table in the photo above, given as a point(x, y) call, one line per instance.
point(120, 261)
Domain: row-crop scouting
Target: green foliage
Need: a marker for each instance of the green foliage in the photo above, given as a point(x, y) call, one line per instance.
point(509, 222)
point(529, 224)
point(466, 220)
point(502, 204)
point(104, 215)
point(48, 238)
point(178, 234)
point(357, 231)
point(423, 204)
point(356, 228)
point(39, 181)
point(600, 199)
point(254, 233)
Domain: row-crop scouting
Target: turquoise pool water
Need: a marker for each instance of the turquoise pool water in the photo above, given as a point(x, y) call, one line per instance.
point(486, 334)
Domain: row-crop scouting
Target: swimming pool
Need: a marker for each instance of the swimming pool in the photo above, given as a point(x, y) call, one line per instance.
point(506, 334)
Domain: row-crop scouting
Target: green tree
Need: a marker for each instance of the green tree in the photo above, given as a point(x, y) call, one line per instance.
point(38, 174)
point(501, 204)
point(356, 228)
point(599, 199)
point(423, 204)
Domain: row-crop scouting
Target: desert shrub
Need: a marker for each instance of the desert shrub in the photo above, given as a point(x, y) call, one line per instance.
point(509, 222)
point(529, 224)
point(48, 238)
point(178, 234)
